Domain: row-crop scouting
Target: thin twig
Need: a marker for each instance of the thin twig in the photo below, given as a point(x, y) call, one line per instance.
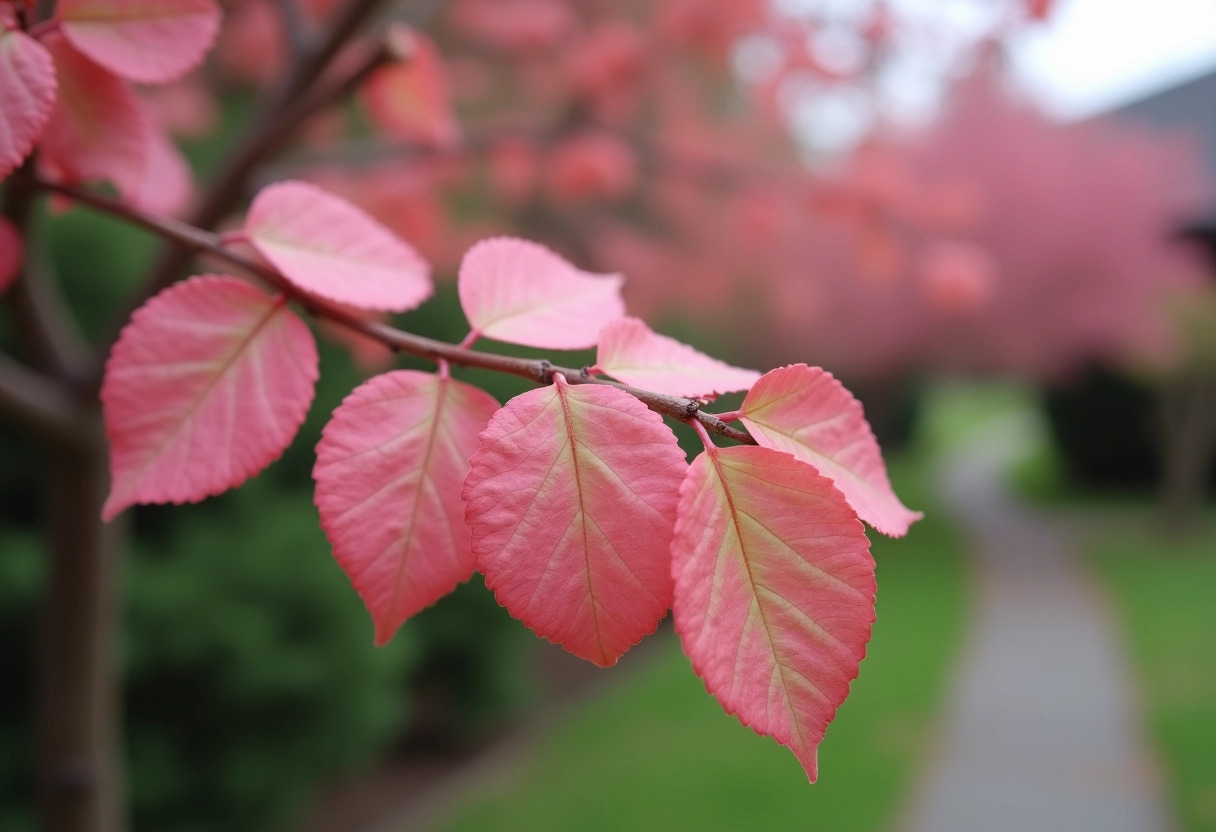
point(294, 27)
point(539, 371)
point(312, 63)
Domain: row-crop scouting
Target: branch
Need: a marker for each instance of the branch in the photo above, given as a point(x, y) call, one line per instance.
point(39, 406)
point(294, 27)
point(540, 371)
point(310, 65)
point(47, 327)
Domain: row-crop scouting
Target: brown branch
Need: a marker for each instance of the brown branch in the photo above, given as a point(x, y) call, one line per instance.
point(38, 405)
point(311, 64)
point(540, 371)
point(294, 27)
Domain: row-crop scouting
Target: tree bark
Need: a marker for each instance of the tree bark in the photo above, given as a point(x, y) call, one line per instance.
point(78, 749)
point(1190, 447)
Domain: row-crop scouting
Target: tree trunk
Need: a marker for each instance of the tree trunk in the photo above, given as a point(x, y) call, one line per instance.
point(1189, 448)
point(79, 757)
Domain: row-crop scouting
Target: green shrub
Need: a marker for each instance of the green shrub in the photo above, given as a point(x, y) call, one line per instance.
point(250, 672)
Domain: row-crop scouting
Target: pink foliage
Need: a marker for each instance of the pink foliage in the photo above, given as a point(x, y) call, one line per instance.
point(206, 386)
point(628, 132)
point(252, 45)
point(520, 26)
point(630, 352)
point(151, 41)
point(183, 108)
point(520, 292)
point(1038, 9)
point(958, 277)
point(168, 182)
point(27, 93)
point(592, 475)
point(713, 26)
point(996, 241)
point(591, 166)
point(806, 412)
point(11, 254)
point(1072, 260)
point(97, 129)
point(390, 466)
point(410, 207)
point(330, 248)
point(514, 167)
point(608, 68)
point(774, 592)
point(409, 100)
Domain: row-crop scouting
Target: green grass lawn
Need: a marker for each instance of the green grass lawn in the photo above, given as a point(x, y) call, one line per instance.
point(1165, 593)
point(654, 751)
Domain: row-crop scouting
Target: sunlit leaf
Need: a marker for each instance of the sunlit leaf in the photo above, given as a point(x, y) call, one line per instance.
point(571, 500)
point(774, 592)
point(328, 247)
point(390, 466)
point(27, 92)
point(630, 352)
point(805, 411)
point(207, 385)
point(521, 292)
point(151, 41)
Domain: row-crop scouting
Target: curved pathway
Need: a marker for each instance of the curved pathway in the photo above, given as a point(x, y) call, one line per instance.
point(1041, 730)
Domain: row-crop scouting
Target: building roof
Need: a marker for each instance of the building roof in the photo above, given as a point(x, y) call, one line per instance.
point(1190, 105)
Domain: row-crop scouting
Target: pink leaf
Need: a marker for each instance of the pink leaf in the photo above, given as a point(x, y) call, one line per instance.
point(97, 129)
point(521, 292)
point(630, 352)
point(206, 386)
point(328, 247)
point(774, 592)
point(150, 41)
point(1038, 9)
point(10, 254)
point(409, 99)
point(27, 92)
point(389, 471)
point(571, 500)
point(806, 412)
point(168, 181)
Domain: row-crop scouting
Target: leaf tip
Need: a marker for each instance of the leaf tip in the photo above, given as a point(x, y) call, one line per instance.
point(113, 507)
point(384, 633)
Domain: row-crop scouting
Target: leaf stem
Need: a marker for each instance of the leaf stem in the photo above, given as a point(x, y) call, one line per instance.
point(705, 440)
point(540, 371)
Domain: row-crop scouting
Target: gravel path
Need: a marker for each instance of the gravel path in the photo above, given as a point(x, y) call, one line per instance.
point(1041, 729)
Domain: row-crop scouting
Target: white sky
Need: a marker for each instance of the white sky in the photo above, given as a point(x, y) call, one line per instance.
point(1089, 56)
point(1094, 54)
